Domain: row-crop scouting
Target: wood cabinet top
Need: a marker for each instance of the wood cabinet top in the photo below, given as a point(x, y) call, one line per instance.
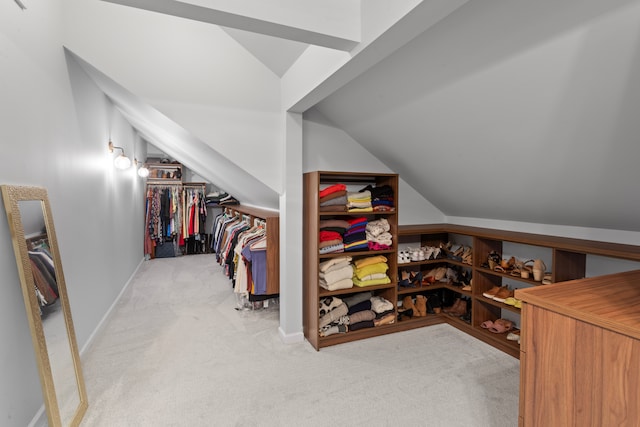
point(611, 302)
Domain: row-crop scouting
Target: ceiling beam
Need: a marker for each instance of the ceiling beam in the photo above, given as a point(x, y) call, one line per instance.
point(425, 15)
point(232, 20)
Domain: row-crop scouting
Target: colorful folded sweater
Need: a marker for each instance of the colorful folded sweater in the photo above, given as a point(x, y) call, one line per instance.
point(332, 189)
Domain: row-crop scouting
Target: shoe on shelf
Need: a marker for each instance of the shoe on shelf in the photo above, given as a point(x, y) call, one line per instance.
point(433, 307)
point(467, 255)
point(461, 310)
point(511, 301)
point(501, 326)
point(514, 335)
point(428, 252)
point(407, 312)
point(404, 257)
point(539, 269)
point(407, 303)
point(466, 316)
point(421, 304)
point(503, 294)
point(415, 278)
point(491, 292)
point(486, 324)
point(453, 307)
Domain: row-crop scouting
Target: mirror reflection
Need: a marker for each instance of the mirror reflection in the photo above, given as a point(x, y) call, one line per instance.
point(51, 314)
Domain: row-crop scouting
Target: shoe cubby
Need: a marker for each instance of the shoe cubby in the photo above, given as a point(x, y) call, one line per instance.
point(571, 265)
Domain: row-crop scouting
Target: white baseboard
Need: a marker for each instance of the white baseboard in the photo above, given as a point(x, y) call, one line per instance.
point(106, 316)
point(290, 338)
point(39, 419)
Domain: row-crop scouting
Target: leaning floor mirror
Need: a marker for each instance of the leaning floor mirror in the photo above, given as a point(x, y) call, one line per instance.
point(47, 303)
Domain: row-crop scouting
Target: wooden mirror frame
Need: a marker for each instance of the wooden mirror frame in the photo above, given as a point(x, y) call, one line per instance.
point(12, 195)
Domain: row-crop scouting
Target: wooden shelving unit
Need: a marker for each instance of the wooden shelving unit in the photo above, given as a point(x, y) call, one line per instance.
point(568, 262)
point(312, 292)
point(164, 173)
point(272, 223)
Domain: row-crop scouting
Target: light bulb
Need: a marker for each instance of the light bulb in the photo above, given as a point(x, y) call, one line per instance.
point(122, 162)
point(143, 172)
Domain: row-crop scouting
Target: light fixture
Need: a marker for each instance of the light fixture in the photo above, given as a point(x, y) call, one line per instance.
point(142, 170)
point(122, 161)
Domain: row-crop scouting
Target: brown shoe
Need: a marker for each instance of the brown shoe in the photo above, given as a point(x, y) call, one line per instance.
point(461, 310)
point(421, 304)
point(453, 307)
point(491, 292)
point(503, 294)
point(407, 303)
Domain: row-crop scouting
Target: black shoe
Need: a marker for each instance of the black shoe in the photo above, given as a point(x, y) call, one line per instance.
point(408, 313)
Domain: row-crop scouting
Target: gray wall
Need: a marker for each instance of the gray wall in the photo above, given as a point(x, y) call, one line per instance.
point(55, 136)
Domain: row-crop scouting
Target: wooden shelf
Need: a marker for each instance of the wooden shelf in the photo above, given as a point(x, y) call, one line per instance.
point(568, 264)
point(356, 254)
point(322, 293)
point(164, 173)
point(509, 276)
point(501, 305)
point(353, 214)
point(420, 289)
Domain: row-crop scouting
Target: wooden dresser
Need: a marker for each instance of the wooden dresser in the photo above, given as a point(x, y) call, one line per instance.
point(580, 352)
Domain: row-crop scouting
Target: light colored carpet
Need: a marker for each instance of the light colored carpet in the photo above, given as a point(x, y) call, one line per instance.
point(175, 352)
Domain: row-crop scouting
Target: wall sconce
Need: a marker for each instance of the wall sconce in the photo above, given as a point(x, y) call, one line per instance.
point(122, 161)
point(142, 171)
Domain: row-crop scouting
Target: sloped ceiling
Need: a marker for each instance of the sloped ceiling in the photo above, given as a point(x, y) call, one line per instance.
point(277, 54)
point(193, 153)
point(521, 111)
point(516, 111)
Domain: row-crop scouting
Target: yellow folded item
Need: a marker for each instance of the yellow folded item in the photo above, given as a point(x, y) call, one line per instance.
point(363, 262)
point(373, 276)
point(360, 210)
point(379, 267)
point(361, 283)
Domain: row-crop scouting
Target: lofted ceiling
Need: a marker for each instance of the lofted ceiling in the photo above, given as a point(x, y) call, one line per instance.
point(518, 111)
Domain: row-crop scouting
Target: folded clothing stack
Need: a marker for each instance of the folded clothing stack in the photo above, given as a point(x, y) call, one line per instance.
point(330, 242)
point(382, 198)
point(337, 225)
point(378, 236)
point(333, 198)
point(355, 238)
point(371, 271)
point(358, 311)
point(336, 273)
point(228, 200)
point(213, 198)
point(359, 201)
